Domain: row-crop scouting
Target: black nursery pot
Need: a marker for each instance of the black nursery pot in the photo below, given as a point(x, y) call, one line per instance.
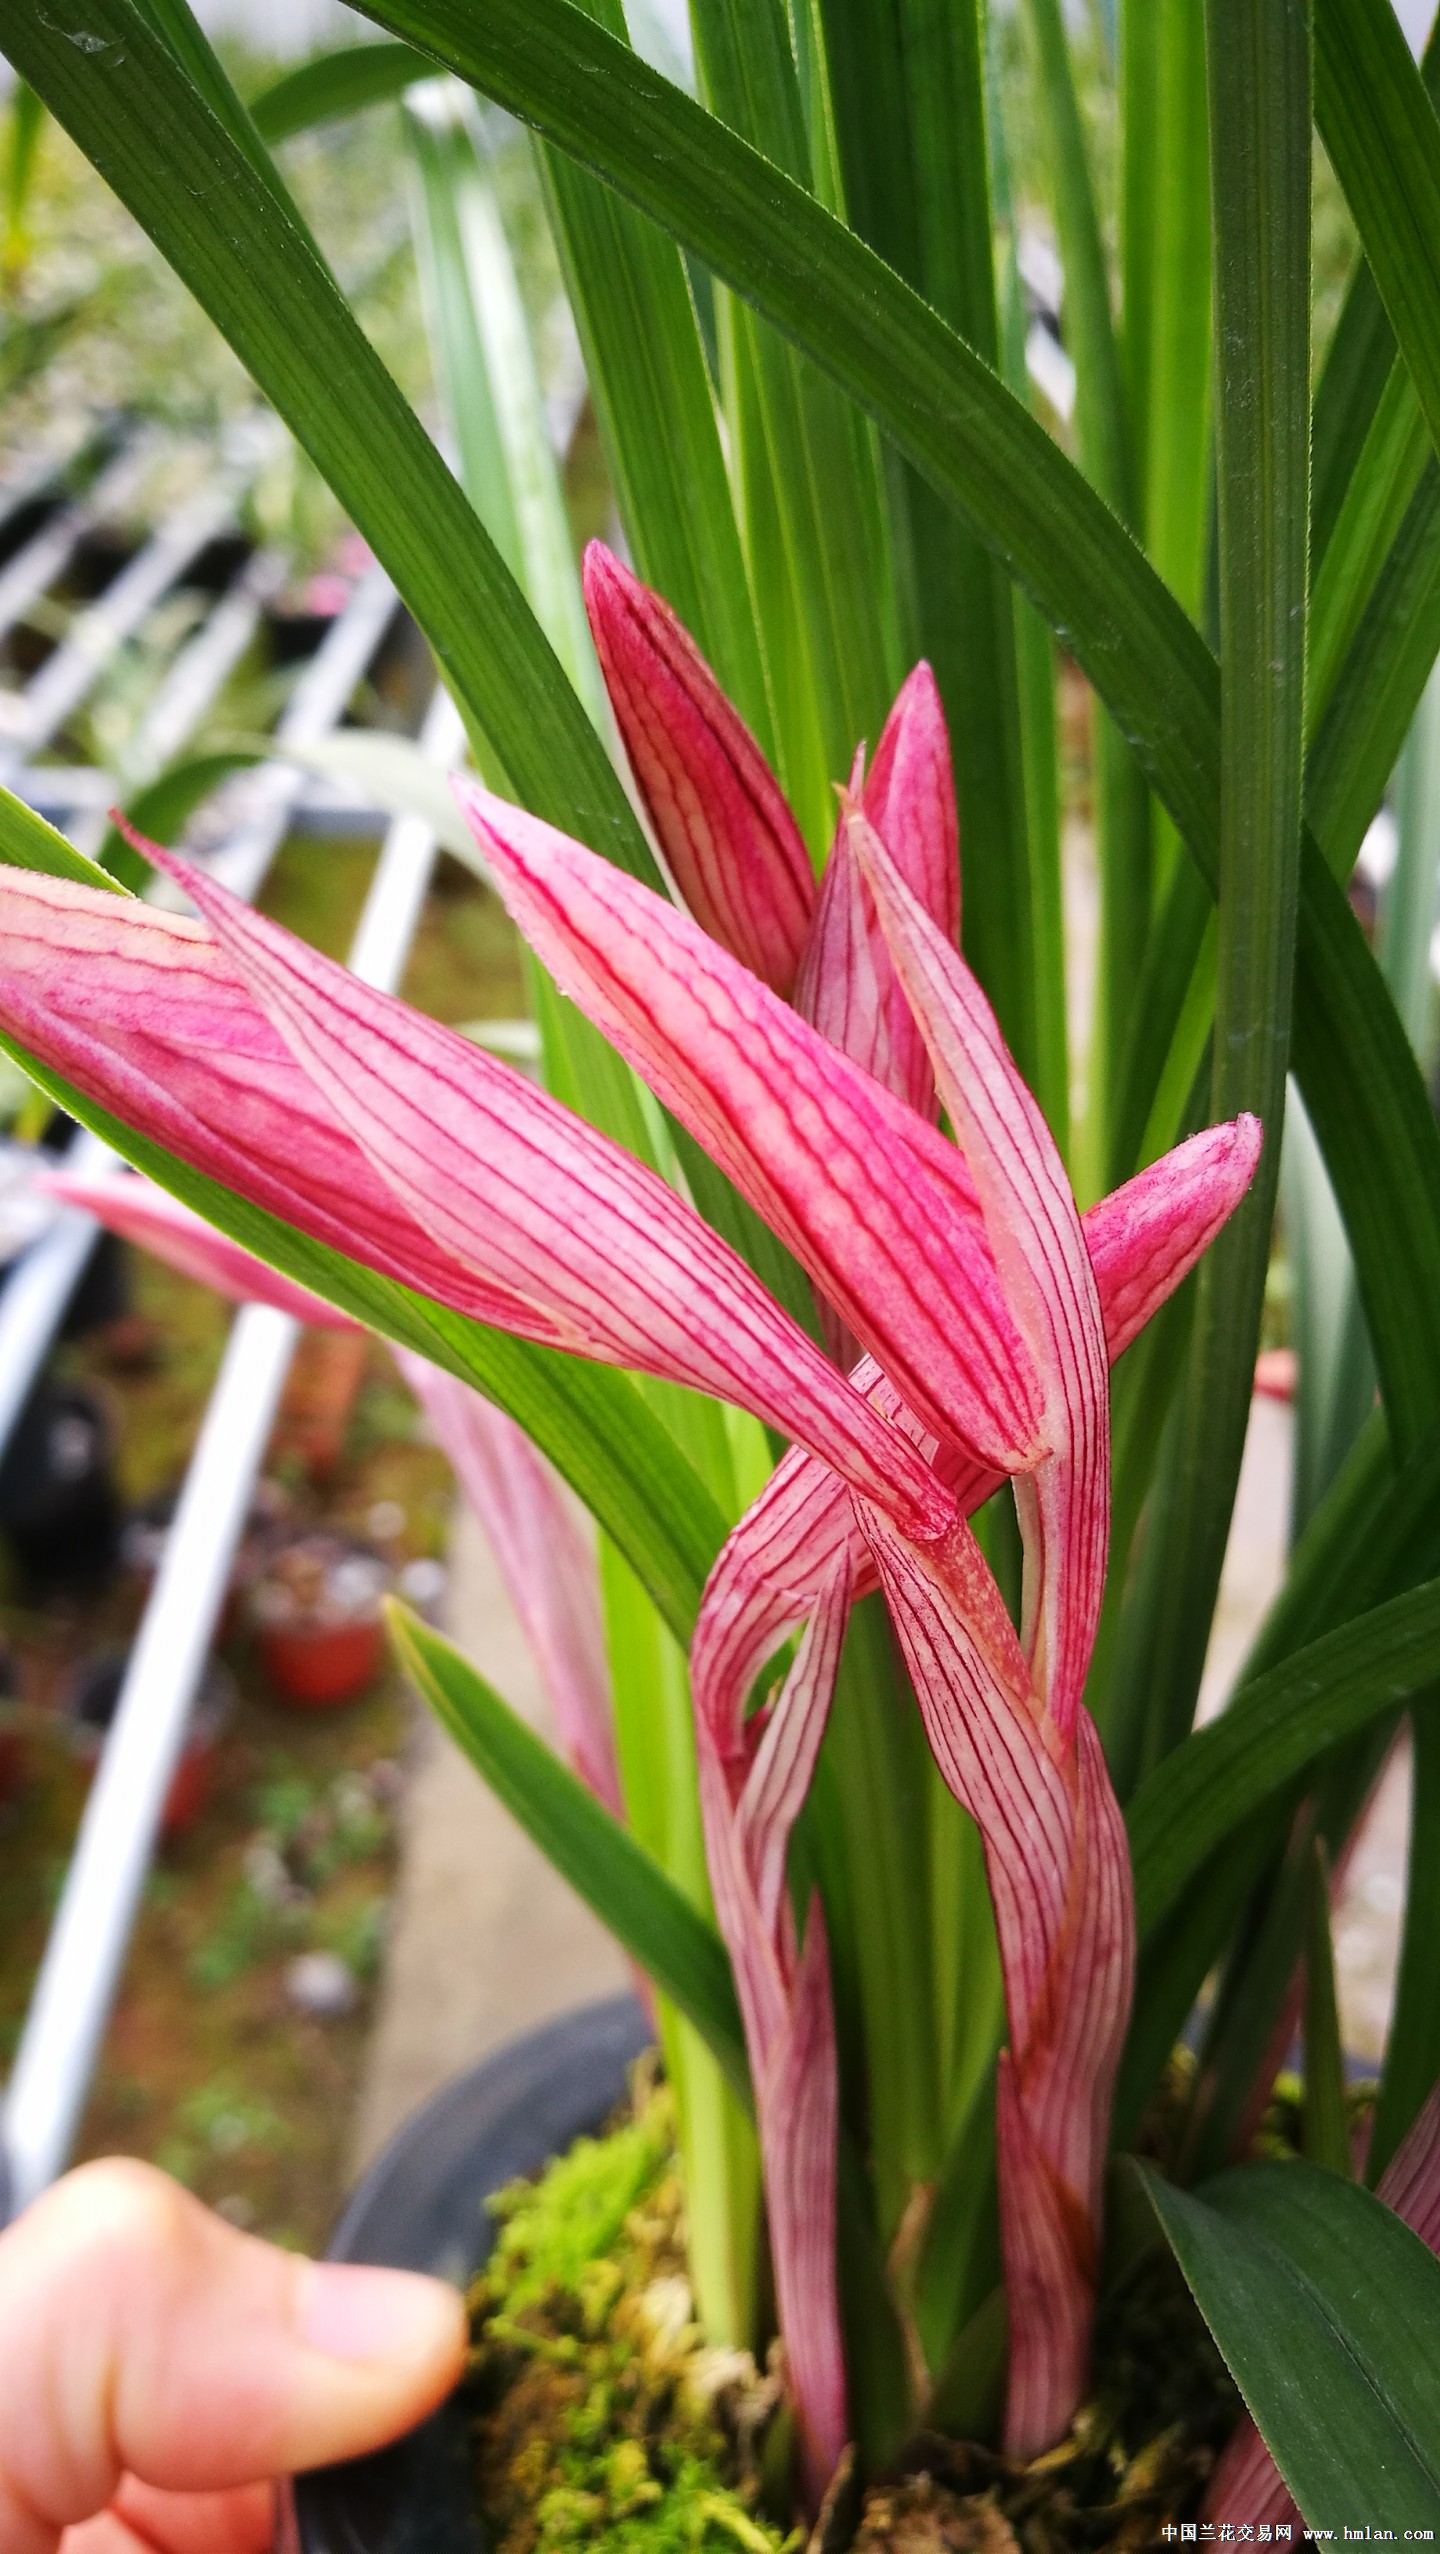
point(58, 1506)
point(422, 2207)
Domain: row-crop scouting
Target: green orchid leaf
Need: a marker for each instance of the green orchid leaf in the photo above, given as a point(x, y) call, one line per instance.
point(1327, 2311)
point(623, 1883)
point(1272, 1731)
point(1258, 54)
point(1380, 130)
point(163, 809)
point(331, 85)
point(27, 842)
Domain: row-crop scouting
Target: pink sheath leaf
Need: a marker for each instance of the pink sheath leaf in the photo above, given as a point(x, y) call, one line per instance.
point(1247, 2483)
point(799, 2116)
point(147, 1216)
point(1410, 2183)
point(753, 1781)
point(847, 987)
point(1050, 2309)
point(719, 815)
point(375, 1145)
point(874, 1203)
point(1039, 1249)
point(1059, 1875)
point(544, 1558)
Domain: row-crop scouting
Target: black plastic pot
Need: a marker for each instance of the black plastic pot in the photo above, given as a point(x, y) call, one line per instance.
point(422, 2207)
point(58, 1506)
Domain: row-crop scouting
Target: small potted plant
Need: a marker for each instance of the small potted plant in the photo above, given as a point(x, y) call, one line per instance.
point(317, 1605)
point(95, 1689)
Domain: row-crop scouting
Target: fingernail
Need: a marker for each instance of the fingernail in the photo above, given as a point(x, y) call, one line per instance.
point(356, 2313)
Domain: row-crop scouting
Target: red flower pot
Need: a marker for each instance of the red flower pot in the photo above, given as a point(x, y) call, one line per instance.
point(316, 1608)
point(91, 1708)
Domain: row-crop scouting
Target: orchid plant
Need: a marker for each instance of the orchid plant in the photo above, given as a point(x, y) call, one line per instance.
point(896, 1328)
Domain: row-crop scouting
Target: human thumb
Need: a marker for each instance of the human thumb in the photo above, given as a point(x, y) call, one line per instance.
point(140, 2334)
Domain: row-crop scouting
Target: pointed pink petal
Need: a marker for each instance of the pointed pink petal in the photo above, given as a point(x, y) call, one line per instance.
point(1247, 2484)
point(1059, 1875)
point(875, 1205)
point(544, 1558)
point(847, 987)
point(729, 840)
point(909, 798)
point(1145, 1237)
point(142, 1011)
point(402, 1144)
point(1039, 1249)
point(153, 1220)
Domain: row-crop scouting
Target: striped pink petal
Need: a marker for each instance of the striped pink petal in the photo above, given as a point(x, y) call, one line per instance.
point(1247, 2485)
point(1059, 1874)
point(877, 1207)
point(1145, 1237)
point(1039, 1249)
point(143, 1012)
point(753, 1781)
point(359, 1121)
point(153, 1220)
point(1143, 1240)
point(544, 1557)
point(847, 986)
point(728, 838)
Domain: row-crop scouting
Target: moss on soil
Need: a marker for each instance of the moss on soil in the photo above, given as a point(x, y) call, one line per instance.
point(598, 2417)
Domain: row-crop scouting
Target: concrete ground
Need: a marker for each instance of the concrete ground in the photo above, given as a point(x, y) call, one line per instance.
point(486, 1941)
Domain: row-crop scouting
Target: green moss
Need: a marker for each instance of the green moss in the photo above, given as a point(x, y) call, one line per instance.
point(599, 2418)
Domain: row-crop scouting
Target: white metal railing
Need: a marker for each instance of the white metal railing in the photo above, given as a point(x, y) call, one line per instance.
point(91, 1931)
point(39, 1286)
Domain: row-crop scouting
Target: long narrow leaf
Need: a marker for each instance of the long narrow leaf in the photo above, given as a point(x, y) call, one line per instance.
point(1259, 68)
point(1122, 802)
point(1380, 130)
point(909, 85)
point(1412, 2054)
point(1327, 2309)
point(615, 1876)
point(331, 85)
point(1273, 1730)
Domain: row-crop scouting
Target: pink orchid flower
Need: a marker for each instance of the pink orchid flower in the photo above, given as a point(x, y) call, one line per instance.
point(986, 1310)
point(1003, 1714)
